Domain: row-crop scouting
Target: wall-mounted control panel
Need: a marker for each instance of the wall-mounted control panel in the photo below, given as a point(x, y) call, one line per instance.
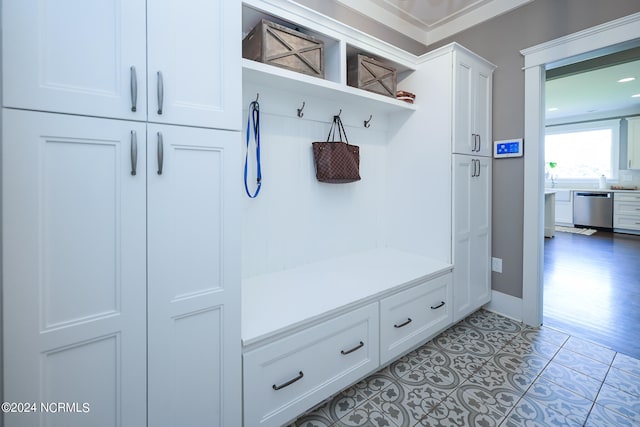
point(507, 148)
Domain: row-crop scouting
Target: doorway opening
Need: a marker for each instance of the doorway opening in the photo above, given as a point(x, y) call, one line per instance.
point(607, 38)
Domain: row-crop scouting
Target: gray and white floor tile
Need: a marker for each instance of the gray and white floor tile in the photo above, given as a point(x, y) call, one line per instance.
point(489, 370)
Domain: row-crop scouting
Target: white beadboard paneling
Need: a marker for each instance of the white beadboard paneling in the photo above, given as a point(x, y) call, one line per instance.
point(295, 219)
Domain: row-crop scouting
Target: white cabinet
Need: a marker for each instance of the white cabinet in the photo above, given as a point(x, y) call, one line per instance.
point(626, 211)
point(564, 207)
point(472, 104)
point(471, 233)
point(91, 249)
point(194, 360)
point(194, 58)
point(408, 318)
point(633, 143)
point(286, 377)
point(91, 59)
point(74, 261)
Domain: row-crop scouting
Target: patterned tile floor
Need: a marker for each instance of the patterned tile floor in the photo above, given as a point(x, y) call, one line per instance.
point(489, 370)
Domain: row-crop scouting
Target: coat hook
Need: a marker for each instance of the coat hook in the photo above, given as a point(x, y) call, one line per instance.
point(340, 112)
point(257, 96)
point(367, 123)
point(300, 113)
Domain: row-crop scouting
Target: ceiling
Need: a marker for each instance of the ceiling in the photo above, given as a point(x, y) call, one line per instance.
point(427, 21)
point(415, 24)
point(594, 93)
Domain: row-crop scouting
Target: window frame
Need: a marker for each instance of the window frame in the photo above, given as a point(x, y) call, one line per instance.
point(609, 124)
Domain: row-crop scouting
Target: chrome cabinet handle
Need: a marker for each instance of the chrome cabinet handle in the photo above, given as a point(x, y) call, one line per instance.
point(473, 148)
point(479, 143)
point(160, 153)
point(479, 169)
point(344, 353)
point(134, 89)
point(134, 152)
point(435, 307)
point(288, 383)
point(160, 92)
point(403, 324)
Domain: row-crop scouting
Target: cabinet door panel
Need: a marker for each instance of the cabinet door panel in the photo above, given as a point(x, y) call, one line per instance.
point(481, 231)
point(74, 277)
point(194, 44)
point(483, 110)
point(463, 141)
point(75, 56)
point(193, 279)
point(463, 171)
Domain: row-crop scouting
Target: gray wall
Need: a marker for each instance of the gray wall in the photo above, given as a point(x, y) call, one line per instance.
point(500, 41)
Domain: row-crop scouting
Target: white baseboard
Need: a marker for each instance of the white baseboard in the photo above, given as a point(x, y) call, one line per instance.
point(505, 305)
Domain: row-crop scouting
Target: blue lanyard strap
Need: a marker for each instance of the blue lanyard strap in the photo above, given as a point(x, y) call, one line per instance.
point(253, 122)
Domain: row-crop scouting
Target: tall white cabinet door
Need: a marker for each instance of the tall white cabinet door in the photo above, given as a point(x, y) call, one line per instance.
point(483, 109)
point(75, 57)
point(193, 280)
point(463, 126)
point(473, 104)
point(74, 267)
point(464, 169)
point(195, 74)
point(480, 213)
point(471, 233)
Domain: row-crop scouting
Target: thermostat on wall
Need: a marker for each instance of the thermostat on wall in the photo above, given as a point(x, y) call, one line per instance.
point(507, 148)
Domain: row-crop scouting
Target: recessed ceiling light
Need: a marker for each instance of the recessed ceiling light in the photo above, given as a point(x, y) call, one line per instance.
point(626, 79)
point(553, 109)
point(637, 95)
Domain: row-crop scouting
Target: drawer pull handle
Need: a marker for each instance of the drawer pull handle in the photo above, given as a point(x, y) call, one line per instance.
point(403, 324)
point(435, 307)
point(344, 353)
point(288, 383)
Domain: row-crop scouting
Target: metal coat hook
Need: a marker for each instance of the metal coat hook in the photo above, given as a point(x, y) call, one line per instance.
point(340, 112)
point(300, 113)
point(367, 123)
point(257, 96)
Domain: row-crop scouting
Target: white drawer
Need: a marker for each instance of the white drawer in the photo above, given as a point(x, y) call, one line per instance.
point(284, 378)
point(626, 197)
point(414, 315)
point(626, 209)
point(626, 222)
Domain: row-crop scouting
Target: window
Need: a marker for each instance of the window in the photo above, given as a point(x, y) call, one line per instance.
point(582, 151)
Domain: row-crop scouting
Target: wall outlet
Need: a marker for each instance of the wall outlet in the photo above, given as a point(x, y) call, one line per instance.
point(496, 264)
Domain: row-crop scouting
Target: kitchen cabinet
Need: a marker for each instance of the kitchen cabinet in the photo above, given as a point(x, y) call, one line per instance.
point(633, 143)
point(626, 212)
point(91, 59)
point(472, 95)
point(471, 233)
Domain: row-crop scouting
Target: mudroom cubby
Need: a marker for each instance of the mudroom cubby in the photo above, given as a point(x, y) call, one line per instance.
point(341, 279)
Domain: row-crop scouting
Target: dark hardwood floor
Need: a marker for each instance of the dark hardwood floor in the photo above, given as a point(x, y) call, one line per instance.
point(592, 288)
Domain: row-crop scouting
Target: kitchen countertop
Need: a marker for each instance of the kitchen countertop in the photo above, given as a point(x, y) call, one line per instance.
point(590, 189)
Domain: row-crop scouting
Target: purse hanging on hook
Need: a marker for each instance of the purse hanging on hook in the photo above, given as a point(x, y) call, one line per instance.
point(253, 124)
point(336, 162)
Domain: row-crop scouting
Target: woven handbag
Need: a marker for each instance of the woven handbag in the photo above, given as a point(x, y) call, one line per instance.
point(336, 162)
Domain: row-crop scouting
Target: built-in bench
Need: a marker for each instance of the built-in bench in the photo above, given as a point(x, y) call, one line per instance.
point(311, 331)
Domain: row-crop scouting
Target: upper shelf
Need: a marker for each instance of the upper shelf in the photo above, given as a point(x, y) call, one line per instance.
point(268, 75)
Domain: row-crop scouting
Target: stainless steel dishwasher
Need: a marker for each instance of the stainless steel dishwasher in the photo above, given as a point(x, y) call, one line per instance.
point(593, 208)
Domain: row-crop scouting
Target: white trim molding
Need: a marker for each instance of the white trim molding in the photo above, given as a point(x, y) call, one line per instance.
point(505, 305)
point(611, 35)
